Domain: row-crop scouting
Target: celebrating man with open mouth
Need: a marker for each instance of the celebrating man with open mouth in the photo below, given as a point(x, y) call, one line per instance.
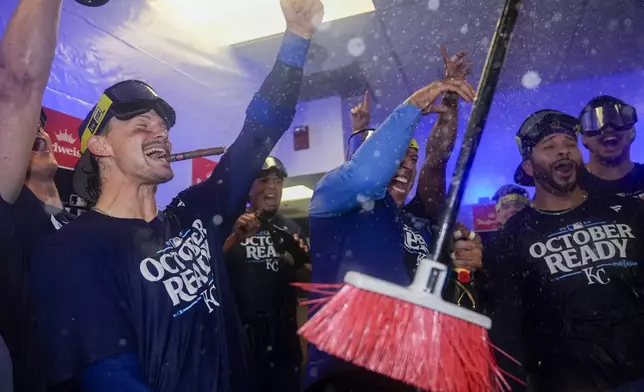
point(565, 273)
point(607, 127)
point(133, 299)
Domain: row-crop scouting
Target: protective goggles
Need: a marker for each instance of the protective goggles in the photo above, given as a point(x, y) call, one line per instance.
point(619, 117)
point(126, 100)
point(516, 199)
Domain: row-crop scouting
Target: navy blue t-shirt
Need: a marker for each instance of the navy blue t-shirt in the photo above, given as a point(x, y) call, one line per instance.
point(23, 226)
point(632, 184)
point(385, 242)
point(115, 286)
point(565, 293)
point(261, 276)
point(159, 290)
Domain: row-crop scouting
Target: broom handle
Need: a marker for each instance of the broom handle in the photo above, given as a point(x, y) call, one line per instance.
point(205, 152)
point(480, 109)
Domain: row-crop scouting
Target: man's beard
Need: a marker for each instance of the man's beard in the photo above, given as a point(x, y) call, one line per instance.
point(546, 178)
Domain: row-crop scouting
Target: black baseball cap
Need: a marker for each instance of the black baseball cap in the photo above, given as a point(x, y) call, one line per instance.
point(124, 100)
point(509, 189)
point(273, 164)
point(537, 126)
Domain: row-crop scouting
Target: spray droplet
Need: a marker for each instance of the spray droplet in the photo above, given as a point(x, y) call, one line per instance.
point(612, 25)
point(557, 17)
point(218, 220)
point(464, 29)
point(356, 46)
point(433, 5)
point(531, 80)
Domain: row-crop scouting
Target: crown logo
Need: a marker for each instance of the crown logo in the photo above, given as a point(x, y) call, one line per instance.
point(65, 136)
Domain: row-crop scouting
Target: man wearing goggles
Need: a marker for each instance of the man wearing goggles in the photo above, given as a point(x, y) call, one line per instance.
point(129, 298)
point(564, 274)
point(30, 207)
point(607, 131)
point(509, 199)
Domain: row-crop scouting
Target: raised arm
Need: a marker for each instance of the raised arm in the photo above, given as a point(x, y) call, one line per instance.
point(26, 55)
point(432, 180)
point(268, 116)
point(366, 175)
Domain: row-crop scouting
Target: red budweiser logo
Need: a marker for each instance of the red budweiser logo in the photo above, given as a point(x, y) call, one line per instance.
point(65, 145)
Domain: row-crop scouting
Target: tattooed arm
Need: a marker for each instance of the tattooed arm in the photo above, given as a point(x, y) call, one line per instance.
point(432, 180)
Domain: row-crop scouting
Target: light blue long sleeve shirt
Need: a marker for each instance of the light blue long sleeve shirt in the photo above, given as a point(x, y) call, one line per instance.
point(366, 176)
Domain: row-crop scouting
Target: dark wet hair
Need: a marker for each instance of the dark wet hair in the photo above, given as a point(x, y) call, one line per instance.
point(93, 188)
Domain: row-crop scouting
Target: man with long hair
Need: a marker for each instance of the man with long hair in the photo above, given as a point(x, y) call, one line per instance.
point(133, 299)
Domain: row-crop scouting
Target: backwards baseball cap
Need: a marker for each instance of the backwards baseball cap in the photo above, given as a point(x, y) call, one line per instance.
point(604, 111)
point(510, 193)
point(274, 164)
point(536, 127)
point(124, 101)
point(357, 138)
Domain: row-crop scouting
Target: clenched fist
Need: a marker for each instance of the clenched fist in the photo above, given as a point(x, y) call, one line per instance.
point(246, 226)
point(302, 16)
point(468, 249)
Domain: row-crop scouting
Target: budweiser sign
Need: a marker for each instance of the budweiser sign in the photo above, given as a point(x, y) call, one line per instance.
point(63, 131)
point(484, 218)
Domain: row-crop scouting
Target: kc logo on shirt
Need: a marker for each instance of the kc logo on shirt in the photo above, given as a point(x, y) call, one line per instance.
point(183, 267)
point(415, 243)
point(259, 249)
point(586, 249)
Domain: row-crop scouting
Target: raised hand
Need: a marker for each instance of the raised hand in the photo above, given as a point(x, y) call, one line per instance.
point(360, 114)
point(302, 16)
point(246, 226)
point(425, 98)
point(457, 66)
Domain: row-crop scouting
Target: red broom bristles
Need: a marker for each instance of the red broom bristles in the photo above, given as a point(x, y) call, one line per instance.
point(406, 342)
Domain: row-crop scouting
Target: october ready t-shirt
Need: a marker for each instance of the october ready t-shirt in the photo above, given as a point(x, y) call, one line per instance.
point(261, 276)
point(567, 292)
point(112, 286)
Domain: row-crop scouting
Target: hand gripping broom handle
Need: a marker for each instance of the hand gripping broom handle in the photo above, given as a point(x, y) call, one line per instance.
point(206, 152)
point(480, 109)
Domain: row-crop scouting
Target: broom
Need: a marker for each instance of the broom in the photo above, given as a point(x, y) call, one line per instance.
point(410, 333)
